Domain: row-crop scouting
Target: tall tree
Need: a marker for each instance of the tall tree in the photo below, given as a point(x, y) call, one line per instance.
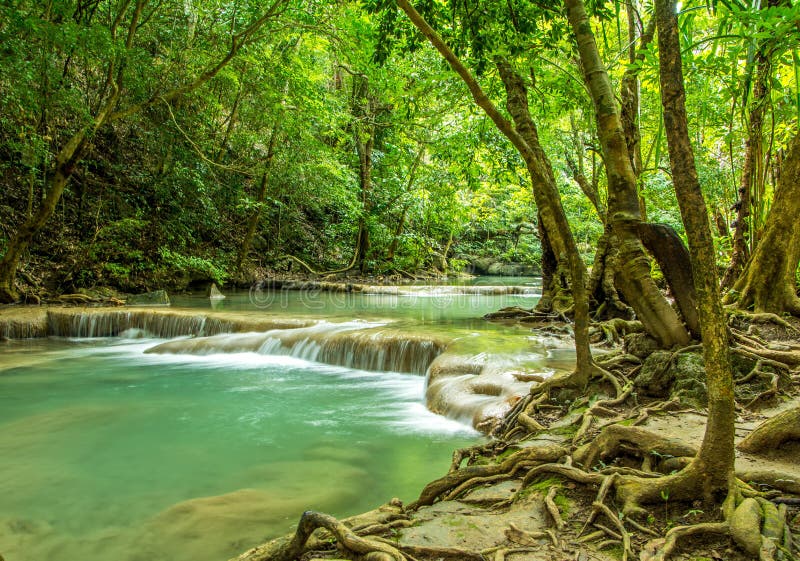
point(769, 280)
point(712, 469)
point(624, 214)
point(751, 186)
point(524, 137)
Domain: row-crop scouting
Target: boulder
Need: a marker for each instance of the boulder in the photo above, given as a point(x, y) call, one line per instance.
point(663, 374)
point(155, 298)
point(640, 345)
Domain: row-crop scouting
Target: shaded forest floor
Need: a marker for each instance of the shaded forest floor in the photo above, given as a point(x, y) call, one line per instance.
point(545, 494)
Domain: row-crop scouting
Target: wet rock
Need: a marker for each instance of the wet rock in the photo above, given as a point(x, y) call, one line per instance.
point(155, 298)
point(656, 378)
point(690, 376)
point(214, 292)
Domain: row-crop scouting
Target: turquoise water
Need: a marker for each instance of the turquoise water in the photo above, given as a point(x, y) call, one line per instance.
point(438, 305)
point(110, 453)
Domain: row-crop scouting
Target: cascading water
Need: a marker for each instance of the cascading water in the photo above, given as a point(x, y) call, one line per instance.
point(357, 345)
point(259, 401)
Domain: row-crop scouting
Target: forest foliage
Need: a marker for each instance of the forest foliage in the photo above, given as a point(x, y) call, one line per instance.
point(165, 191)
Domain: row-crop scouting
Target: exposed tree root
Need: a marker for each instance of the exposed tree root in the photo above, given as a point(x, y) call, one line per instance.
point(752, 348)
point(520, 419)
point(660, 549)
point(413, 552)
point(612, 331)
point(523, 537)
point(469, 476)
point(552, 509)
point(500, 554)
point(771, 434)
point(762, 317)
point(310, 521)
point(774, 479)
point(616, 440)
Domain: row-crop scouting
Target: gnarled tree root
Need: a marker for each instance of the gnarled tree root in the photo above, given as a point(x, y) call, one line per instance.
point(310, 521)
point(661, 548)
point(617, 439)
point(466, 477)
point(773, 432)
point(282, 548)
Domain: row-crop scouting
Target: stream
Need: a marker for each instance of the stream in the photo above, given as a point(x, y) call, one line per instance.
point(137, 446)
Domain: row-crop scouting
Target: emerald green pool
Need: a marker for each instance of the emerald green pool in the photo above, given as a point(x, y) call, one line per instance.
point(110, 453)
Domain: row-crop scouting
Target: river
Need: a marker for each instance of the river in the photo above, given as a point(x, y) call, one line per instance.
point(135, 447)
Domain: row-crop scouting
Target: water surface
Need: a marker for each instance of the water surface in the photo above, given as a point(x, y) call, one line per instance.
point(111, 453)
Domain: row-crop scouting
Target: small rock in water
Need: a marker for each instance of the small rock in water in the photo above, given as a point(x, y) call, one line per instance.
point(214, 292)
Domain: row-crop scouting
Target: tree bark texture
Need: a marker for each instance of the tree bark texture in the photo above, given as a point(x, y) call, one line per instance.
point(768, 282)
point(714, 464)
point(635, 281)
point(551, 212)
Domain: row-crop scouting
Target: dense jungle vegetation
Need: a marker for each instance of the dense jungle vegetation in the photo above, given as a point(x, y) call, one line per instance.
point(644, 156)
point(154, 143)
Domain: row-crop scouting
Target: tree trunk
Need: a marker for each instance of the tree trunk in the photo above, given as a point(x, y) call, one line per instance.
point(551, 213)
point(769, 283)
point(712, 468)
point(752, 170)
point(583, 352)
point(364, 150)
point(634, 280)
point(578, 172)
point(629, 112)
point(550, 275)
point(674, 260)
point(261, 195)
point(401, 223)
point(398, 231)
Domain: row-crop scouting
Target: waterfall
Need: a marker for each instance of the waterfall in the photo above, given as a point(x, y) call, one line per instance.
point(111, 322)
point(24, 324)
point(480, 389)
point(357, 345)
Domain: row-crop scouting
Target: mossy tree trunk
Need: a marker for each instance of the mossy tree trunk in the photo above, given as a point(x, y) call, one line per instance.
point(713, 466)
point(539, 169)
point(753, 177)
point(552, 218)
point(624, 215)
point(629, 90)
point(768, 282)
